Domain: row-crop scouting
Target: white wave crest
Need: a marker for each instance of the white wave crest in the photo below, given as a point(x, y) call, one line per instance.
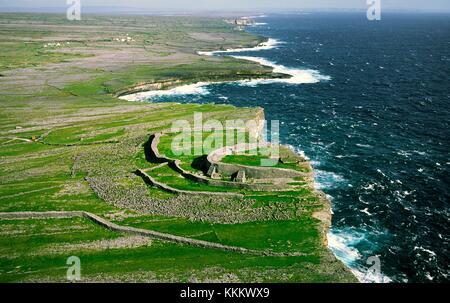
point(341, 244)
point(255, 17)
point(370, 277)
point(298, 76)
point(327, 180)
point(269, 44)
point(190, 89)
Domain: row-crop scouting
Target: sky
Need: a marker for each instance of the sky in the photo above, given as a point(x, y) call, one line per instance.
point(233, 5)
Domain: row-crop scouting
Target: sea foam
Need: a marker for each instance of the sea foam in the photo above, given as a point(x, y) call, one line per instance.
point(190, 89)
point(268, 45)
point(298, 76)
point(342, 243)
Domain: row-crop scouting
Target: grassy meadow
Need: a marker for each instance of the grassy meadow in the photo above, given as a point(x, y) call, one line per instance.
point(68, 143)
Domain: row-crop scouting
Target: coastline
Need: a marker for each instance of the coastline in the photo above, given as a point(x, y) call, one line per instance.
point(102, 143)
point(68, 143)
point(280, 74)
point(290, 76)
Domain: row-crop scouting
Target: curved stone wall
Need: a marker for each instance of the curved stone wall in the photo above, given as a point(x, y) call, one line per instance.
point(149, 180)
point(254, 172)
point(224, 169)
point(154, 151)
point(175, 165)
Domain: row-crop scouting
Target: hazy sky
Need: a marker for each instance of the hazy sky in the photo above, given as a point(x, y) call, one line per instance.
point(229, 5)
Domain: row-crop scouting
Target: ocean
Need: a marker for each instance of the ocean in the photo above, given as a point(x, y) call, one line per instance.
point(368, 103)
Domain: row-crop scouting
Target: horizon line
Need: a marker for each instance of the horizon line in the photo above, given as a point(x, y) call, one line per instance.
point(139, 10)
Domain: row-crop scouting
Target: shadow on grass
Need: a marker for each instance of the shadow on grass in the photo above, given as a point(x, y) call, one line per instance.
point(200, 164)
point(150, 156)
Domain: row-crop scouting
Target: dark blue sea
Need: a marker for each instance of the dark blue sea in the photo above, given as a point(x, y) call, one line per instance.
point(375, 124)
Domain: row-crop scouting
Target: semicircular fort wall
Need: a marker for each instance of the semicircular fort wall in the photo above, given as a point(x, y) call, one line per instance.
point(253, 172)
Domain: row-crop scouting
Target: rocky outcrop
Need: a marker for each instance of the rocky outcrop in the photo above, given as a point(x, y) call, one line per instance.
point(324, 216)
point(143, 87)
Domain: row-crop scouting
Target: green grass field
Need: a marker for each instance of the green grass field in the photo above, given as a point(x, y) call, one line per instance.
point(68, 143)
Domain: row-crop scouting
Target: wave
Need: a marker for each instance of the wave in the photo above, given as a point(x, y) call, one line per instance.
point(342, 243)
point(327, 179)
point(268, 45)
point(189, 89)
point(298, 76)
point(255, 17)
point(370, 277)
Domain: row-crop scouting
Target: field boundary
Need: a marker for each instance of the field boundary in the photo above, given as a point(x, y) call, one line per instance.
point(141, 232)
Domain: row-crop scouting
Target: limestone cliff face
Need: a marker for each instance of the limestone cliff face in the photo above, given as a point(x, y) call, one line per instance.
point(143, 87)
point(324, 215)
point(260, 122)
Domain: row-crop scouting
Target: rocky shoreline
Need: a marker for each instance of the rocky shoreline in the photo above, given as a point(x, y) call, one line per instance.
point(324, 215)
point(95, 142)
